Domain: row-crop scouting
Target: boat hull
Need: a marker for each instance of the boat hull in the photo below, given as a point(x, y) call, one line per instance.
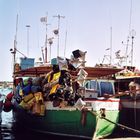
point(69, 121)
point(129, 115)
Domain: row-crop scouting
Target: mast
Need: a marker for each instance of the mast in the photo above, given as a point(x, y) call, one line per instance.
point(58, 16)
point(44, 20)
point(15, 46)
point(28, 26)
point(13, 51)
point(132, 34)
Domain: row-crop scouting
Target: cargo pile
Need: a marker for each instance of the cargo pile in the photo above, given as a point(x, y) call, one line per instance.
point(57, 86)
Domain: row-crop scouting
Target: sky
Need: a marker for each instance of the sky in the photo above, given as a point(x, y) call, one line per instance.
point(95, 26)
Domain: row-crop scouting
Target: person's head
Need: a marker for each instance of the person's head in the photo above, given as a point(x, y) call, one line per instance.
point(21, 81)
point(55, 68)
point(30, 81)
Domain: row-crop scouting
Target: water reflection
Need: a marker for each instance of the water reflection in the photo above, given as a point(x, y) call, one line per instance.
point(6, 126)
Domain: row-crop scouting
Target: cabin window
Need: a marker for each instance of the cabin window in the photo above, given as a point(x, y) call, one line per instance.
point(95, 85)
point(106, 88)
point(87, 85)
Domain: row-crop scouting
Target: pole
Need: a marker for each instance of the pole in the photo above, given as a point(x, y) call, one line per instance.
point(42, 54)
point(28, 26)
point(50, 40)
point(46, 44)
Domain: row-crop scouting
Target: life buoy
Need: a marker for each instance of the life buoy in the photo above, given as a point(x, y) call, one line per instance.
point(10, 96)
point(7, 105)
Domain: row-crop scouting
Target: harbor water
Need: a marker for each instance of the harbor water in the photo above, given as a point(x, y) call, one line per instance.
point(9, 130)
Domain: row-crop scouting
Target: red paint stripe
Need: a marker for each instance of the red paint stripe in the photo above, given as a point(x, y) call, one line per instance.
point(99, 100)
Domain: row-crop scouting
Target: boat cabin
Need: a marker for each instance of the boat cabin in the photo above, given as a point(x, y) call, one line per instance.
point(99, 88)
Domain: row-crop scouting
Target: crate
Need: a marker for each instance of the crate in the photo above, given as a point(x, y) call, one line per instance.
point(26, 63)
point(54, 61)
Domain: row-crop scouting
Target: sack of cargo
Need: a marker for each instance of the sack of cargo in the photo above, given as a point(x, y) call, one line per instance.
point(36, 109)
point(37, 81)
point(26, 90)
point(31, 102)
point(35, 89)
point(39, 97)
point(28, 97)
point(23, 104)
point(42, 109)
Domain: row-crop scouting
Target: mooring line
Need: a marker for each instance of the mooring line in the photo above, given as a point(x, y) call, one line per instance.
point(118, 124)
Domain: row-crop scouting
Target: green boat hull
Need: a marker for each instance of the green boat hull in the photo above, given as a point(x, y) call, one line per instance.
point(68, 122)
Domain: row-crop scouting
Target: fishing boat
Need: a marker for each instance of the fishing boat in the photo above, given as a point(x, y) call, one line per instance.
point(127, 85)
point(72, 102)
point(90, 115)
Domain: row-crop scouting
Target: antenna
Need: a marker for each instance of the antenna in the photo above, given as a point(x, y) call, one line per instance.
point(130, 16)
point(65, 44)
point(110, 45)
point(58, 16)
point(127, 43)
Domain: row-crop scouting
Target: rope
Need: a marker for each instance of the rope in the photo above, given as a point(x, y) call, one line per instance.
point(123, 126)
point(118, 124)
point(124, 93)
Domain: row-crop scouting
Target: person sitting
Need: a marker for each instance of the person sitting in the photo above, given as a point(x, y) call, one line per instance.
point(51, 82)
point(27, 88)
point(18, 90)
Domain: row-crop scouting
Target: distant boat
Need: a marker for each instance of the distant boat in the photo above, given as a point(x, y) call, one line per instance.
point(86, 118)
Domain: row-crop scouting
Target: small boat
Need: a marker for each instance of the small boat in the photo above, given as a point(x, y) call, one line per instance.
point(90, 115)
